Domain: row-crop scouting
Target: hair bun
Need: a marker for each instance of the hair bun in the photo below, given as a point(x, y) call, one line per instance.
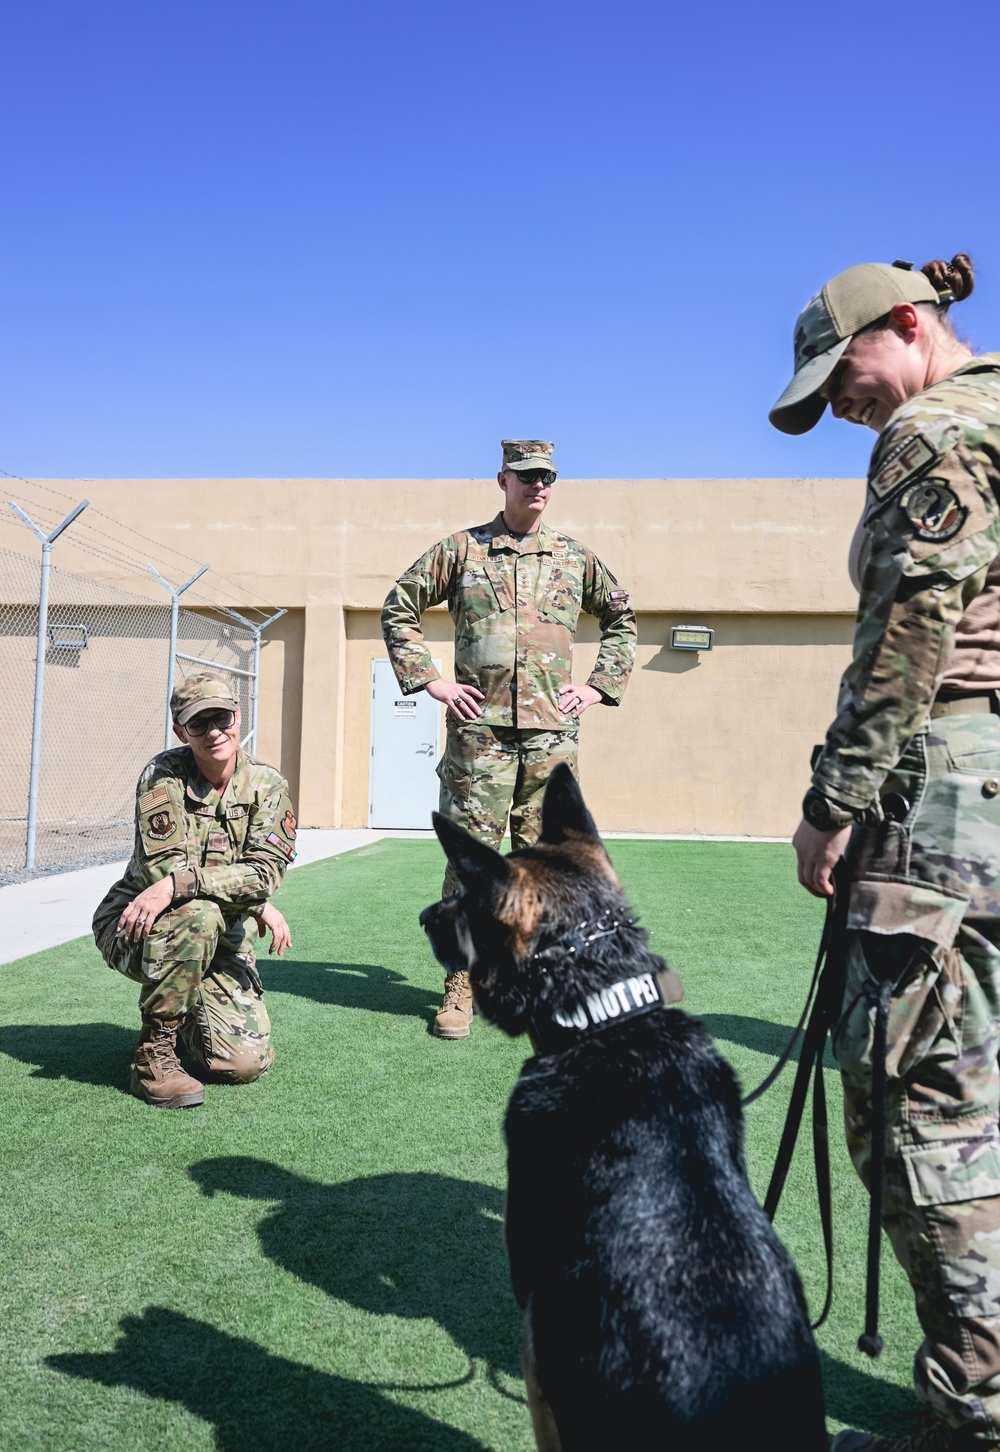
point(958, 275)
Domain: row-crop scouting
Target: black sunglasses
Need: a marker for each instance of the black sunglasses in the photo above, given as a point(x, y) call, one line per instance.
point(211, 720)
point(536, 476)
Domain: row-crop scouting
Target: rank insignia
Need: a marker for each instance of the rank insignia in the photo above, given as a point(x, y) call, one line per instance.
point(160, 825)
point(901, 463)
point(933, 509)
point(288, 826)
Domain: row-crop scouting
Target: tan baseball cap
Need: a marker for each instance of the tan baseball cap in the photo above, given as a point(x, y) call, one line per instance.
point(200, 693)
point(519, 454)
point(828, 322)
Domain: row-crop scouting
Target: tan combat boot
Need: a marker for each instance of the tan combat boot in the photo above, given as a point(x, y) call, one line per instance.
point(454, 1017)
point(158, 1077)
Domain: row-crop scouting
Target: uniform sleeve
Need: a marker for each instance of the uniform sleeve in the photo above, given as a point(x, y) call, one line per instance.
point(933, 538)
point(604, 598)
point(268, 849)
point(159, 827)
point(424, 584)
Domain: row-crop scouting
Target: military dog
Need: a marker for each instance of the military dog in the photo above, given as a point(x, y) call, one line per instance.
point(660, 1308)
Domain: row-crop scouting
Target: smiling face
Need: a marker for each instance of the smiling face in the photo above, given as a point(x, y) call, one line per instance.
point(881, 368)
point(215, 750)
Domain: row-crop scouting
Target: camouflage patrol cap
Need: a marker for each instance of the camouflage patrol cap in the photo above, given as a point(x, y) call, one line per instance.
point(849, 302)
point(521, 454)
point(200, 693)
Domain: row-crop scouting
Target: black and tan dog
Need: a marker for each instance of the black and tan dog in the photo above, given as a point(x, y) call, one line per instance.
point(660, 1308)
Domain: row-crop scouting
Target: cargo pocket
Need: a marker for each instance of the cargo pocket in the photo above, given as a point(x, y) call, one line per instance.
point(953, 1170)
point(154, 962)
point(904, 931)
point(456, 781)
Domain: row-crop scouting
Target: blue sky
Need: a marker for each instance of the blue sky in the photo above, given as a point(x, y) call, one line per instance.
point(306, 238)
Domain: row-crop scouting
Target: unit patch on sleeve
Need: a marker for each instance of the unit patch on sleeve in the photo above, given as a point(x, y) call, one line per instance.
point(908, 458)
point(933, 509)
point(160, 826)
point(288, 826)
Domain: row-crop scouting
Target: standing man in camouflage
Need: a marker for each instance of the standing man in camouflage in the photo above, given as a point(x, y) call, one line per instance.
point(515, 589)
point(911, 768)
point(214, 833)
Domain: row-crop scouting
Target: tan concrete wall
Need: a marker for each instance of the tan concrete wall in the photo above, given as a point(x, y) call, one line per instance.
point(716, 743)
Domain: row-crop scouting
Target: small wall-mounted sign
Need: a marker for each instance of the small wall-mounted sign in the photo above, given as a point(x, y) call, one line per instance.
point(407, 709)
point(691, 637)
point(68, 637)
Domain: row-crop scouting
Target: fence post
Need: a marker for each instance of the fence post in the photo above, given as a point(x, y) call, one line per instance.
point(43, 623)
point(256, 631)
point(175, 596)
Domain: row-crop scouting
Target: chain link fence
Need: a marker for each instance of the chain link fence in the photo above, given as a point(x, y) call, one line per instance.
point(106, 662)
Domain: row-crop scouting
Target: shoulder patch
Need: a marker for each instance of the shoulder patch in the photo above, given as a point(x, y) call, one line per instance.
point(153, 798)
point(933, 508)
point(276, 841)
point(908, 458)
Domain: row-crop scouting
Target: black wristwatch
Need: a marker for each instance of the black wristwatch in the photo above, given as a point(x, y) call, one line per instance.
point(826, 815)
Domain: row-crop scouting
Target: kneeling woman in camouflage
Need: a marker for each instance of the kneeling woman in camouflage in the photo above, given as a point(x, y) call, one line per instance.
point(918, 723)
point(214, 833)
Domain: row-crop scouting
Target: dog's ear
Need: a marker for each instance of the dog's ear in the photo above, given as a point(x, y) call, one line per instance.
point(476, 864)
point(563, 808)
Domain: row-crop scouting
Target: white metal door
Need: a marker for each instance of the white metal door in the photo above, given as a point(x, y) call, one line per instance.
point(405, 747)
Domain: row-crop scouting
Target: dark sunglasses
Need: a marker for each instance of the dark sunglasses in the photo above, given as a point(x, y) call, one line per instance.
point(210, 721)
point(537, 476)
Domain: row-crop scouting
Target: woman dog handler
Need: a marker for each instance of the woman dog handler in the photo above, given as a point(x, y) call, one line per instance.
point(917, 719)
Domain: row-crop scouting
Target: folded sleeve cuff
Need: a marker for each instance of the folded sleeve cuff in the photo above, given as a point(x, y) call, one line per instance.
point(185, 884)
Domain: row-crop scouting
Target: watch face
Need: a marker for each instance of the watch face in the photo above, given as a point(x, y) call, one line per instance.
point(816, 811)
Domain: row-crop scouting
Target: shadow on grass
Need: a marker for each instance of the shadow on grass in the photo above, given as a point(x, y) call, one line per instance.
point(355, 985)
point(251, 1397)
point(758, 1034)
point(413, 1245)
point(87, 1053)
point(860, 1399)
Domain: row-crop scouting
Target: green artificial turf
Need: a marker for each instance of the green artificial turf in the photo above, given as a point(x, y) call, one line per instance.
point(316, 1260)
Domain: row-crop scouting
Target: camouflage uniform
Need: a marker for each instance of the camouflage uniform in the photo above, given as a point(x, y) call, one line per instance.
point(515, 603)
point(925, 898)
point(228, 852)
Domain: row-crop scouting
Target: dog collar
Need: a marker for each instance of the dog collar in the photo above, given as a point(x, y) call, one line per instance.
point(552, 1032)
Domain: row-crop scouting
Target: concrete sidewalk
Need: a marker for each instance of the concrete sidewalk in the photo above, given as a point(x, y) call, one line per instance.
point(58, 908)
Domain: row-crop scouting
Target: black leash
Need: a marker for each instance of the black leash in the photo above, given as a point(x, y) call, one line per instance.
point(870, 1342)
point(826, 993)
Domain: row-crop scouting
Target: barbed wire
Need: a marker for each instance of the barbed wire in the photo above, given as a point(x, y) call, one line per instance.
point(132, 560)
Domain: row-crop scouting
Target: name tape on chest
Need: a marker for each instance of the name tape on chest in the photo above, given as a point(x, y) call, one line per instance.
point(908, 458)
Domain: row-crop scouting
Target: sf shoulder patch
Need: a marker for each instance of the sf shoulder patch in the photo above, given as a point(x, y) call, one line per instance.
point(288, 826)
point(909, 457)
point(933, 508)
